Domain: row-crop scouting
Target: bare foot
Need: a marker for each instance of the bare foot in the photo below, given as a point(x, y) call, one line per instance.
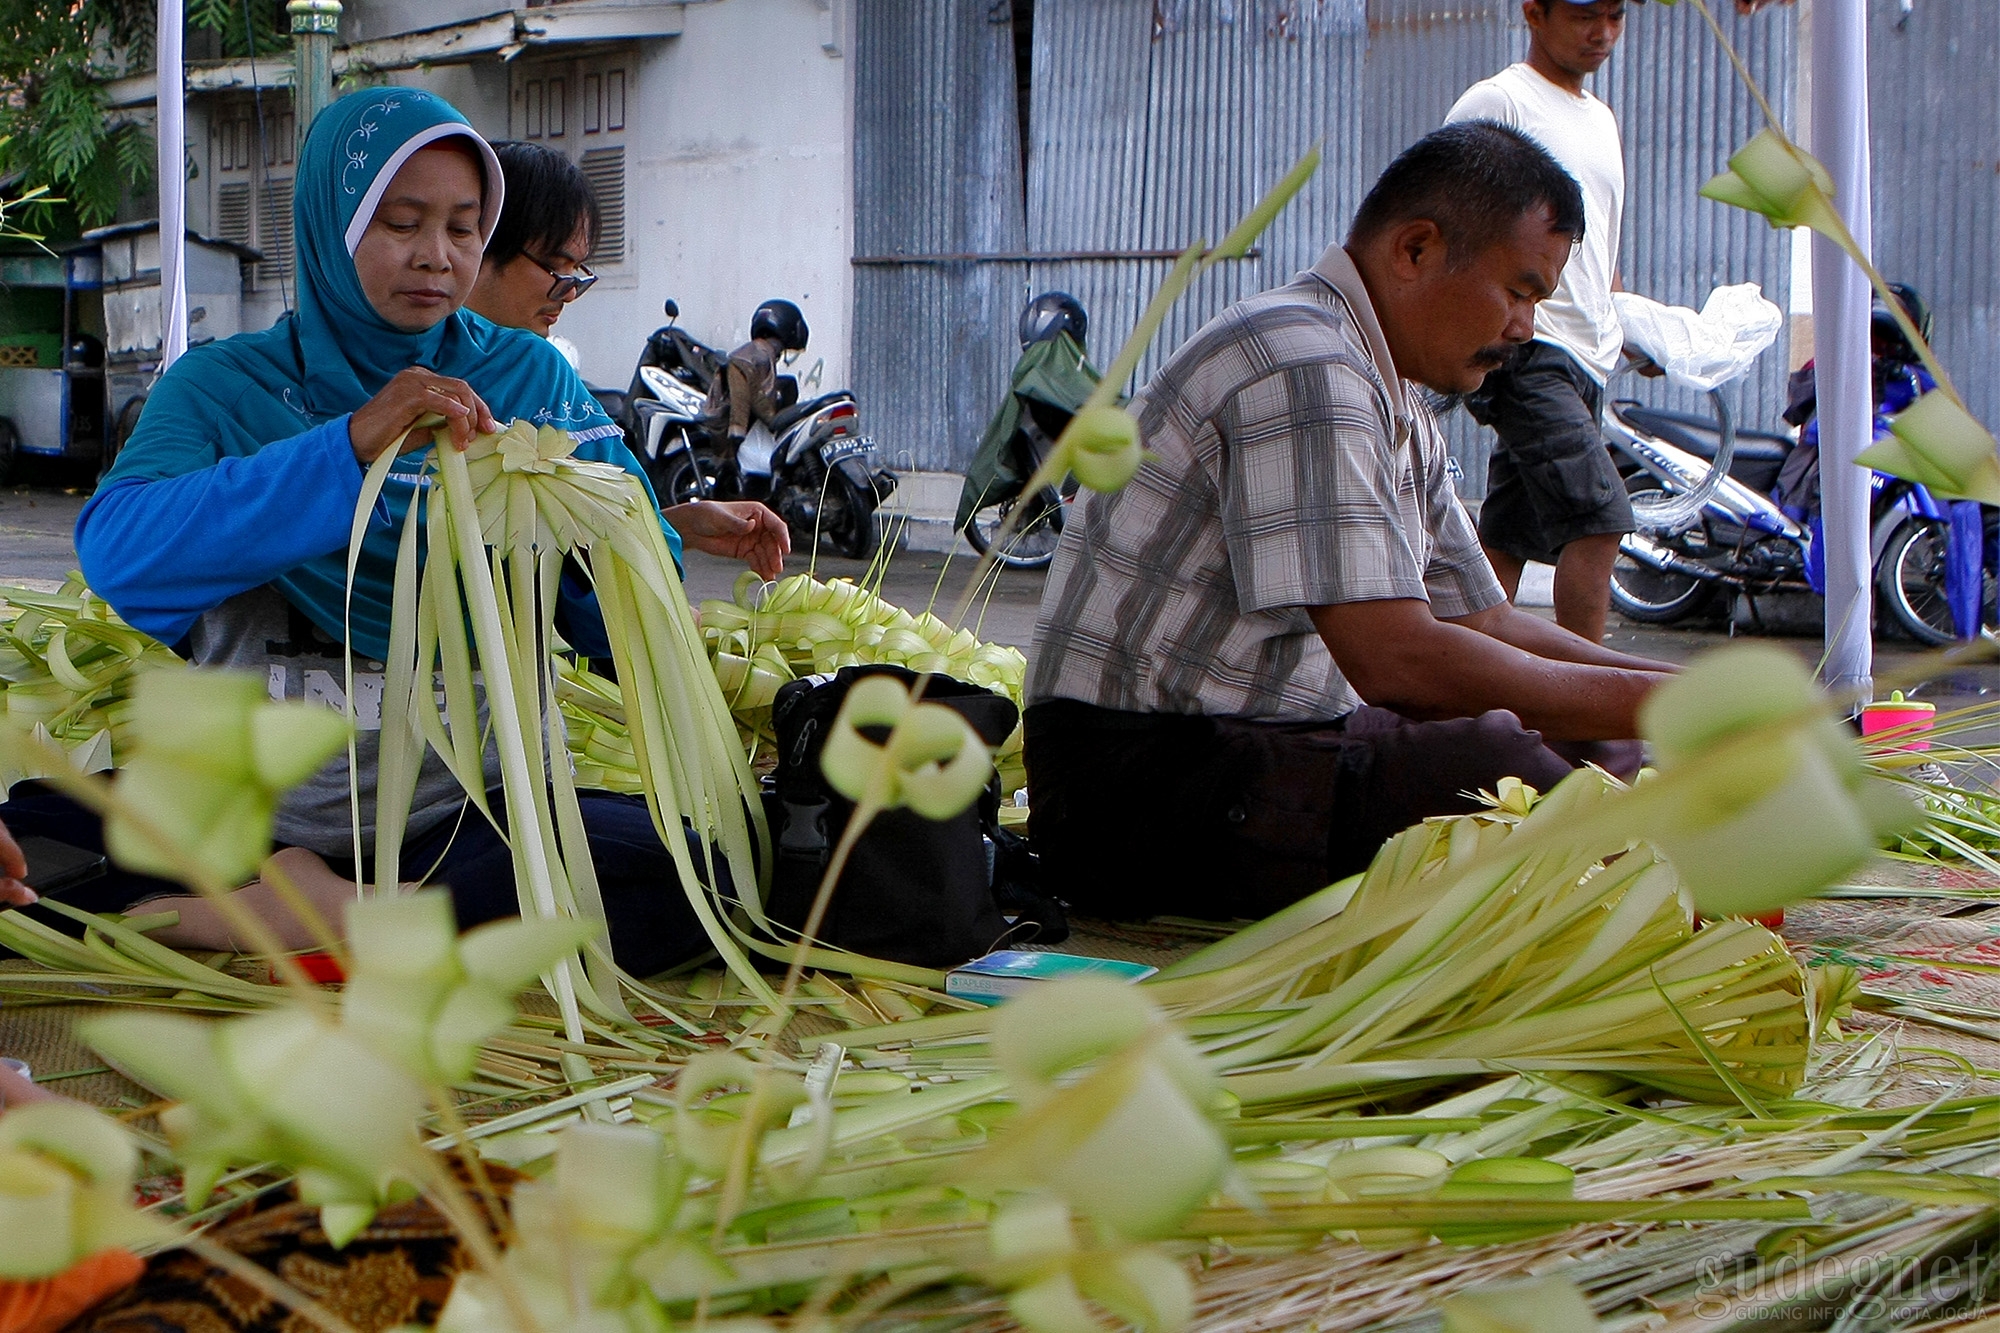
point(203, 926)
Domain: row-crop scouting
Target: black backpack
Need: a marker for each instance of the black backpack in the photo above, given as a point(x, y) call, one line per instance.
point(930, 893)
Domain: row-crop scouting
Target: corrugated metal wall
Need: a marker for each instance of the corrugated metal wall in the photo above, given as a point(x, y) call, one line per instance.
point(1934, 105)
point(1157, 125)
point(1421, 55)
point(1157, 122)
point(937, 171)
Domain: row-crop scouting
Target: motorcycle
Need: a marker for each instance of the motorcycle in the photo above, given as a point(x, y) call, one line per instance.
point(1707, 523)
point(811, 463)
point(1049, 384)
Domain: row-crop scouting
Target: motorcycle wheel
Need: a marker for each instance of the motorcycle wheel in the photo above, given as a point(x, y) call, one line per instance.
point(682, 477)
point(1654, 596)
point(1033, 543)
point(843, 516)
point(1909, 582)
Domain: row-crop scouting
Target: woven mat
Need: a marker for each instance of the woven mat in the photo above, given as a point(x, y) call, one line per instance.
point(44, 1035)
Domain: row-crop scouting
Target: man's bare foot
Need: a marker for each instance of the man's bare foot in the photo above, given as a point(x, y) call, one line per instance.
point(202, 924)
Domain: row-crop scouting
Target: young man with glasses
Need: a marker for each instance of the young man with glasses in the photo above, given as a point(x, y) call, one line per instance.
point(534, 264)
point(533, 267)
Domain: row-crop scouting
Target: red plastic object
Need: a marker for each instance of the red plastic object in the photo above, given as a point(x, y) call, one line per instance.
point(1771, 920)
point(321, 967)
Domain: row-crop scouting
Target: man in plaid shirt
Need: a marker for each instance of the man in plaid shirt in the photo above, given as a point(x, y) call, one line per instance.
point(1281, 643)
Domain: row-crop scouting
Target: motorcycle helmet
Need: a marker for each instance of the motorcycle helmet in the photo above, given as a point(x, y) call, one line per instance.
point(1052, 313)
point(781, 320)
point(1887, 334)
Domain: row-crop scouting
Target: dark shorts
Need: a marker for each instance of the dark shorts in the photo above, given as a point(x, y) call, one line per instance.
point(1150, 814)
point(1551, 480)
point(653, 926)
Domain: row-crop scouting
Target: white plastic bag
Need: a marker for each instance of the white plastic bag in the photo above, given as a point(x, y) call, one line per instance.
point(1706, 349)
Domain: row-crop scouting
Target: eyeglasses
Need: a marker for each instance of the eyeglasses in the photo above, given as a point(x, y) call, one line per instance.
point(565, 284)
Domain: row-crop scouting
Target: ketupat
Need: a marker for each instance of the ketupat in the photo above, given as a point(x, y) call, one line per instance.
point(1506, 924)
point(66, 1178)
point(509, 509)
point(769, 634)
point(67, 664)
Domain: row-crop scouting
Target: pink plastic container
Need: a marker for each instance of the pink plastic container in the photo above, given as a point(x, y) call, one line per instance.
point(1895, 713)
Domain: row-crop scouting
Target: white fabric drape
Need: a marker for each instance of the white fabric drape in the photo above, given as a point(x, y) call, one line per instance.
point(1840, 341)
point(169, 129)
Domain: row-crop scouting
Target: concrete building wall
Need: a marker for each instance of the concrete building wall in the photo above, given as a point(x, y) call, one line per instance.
point(739, 186)
point(738, 167)
point(371, 19)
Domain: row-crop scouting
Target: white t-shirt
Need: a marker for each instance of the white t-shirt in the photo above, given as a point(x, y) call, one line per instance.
point(1582, 134)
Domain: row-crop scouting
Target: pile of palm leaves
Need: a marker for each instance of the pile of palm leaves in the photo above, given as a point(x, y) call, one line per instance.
point(66, 668)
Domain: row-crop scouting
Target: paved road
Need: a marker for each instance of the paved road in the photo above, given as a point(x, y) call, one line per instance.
point(36, 522)
point(35, 527)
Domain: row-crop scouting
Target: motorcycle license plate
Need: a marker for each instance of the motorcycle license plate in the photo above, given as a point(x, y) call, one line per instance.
point(858, 446)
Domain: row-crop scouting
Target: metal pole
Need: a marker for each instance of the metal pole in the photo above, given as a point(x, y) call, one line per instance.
point(169, 108)
point(314, 25)
point(1840, 343)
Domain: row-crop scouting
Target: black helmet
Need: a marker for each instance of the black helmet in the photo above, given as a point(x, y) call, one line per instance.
point(781, 320)
point(1052, 313)
point(1882, 324)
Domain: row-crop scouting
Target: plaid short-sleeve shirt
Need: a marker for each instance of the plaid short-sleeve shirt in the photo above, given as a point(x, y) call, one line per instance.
point(1291, 469)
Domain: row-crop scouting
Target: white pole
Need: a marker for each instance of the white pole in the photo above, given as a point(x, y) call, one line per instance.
point(169, 128)
point(1840, 342)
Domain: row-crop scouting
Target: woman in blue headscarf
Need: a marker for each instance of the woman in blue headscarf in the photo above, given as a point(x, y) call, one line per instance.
point(224, 523)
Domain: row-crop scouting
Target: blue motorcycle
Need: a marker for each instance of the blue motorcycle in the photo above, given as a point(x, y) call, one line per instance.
point(1720, 508)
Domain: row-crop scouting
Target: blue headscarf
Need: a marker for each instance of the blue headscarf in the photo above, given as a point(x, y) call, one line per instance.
point(231, 398)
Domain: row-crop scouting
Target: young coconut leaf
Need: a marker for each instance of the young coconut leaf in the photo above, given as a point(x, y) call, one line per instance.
point(423, 996)
point(1942, 447)
point(1542, 1305)
point(66, 1178)
point(211, 754)
point(1129, 1145)
point(931, 761)
point(1772, 799)
point(1936, 443)
point(283, 1087)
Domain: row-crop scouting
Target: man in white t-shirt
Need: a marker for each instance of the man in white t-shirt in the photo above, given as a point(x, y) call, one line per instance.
point(1552, 491)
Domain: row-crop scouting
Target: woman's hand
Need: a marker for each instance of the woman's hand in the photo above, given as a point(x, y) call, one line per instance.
point(736, 530)
point(14, 891)
point(414, 394)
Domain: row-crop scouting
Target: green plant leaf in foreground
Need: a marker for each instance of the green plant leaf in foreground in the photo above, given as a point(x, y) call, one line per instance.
point(931, 761)
point(66, 1176)
point(211, 754)
point(1102, 447)
point(1130, 1144)
point(1937, 443)
point(424, 997)
point(1541, 1305)
point(282, 1087)
point(1782, 182)
point(1768, 799)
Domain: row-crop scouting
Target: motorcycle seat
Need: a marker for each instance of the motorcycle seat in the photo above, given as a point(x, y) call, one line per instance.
point(784, 420)
point(1698, 434)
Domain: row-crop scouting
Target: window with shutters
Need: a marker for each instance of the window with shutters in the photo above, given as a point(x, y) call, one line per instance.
point(274, 233)
point(232, 213)
point(252, 174)
point(605, 168)
point(578, 107)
